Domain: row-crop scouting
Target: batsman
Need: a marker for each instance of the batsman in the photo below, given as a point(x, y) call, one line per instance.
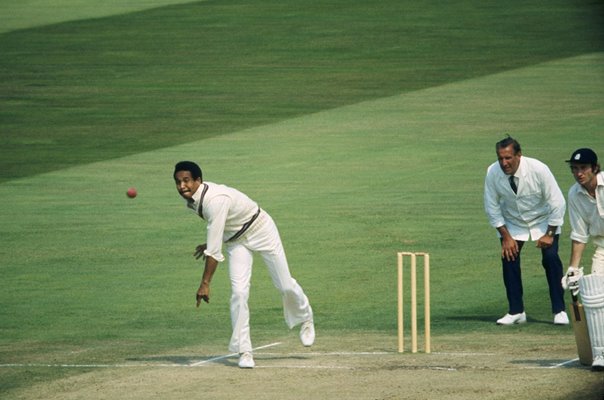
point(586, 215)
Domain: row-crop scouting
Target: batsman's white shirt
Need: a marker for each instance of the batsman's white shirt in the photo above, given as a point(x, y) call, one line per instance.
point(227, 210)
point(586, 214)
point(538, 203)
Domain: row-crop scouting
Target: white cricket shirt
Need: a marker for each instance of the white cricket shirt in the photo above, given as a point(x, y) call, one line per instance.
point(539, 201)
point(586, 214)
point(226, 210)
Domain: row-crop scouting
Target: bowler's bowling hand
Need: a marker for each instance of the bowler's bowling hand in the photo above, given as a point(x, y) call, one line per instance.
point(203, 293)
point(199, 251)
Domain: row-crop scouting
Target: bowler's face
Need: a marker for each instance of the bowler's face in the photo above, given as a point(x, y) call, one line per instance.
point(186, 184)
point(508, 161)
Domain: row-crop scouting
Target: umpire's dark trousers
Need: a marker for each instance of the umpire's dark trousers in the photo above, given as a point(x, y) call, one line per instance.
point(512, 278)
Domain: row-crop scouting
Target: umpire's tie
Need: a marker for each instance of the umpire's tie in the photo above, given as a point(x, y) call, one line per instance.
point(513, 184)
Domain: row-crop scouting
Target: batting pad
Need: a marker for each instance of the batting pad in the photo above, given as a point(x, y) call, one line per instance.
point(592, 293)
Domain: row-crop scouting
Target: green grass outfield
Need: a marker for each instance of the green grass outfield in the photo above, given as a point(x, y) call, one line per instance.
point(26, 14)
point(365, 155)
point(98, 88)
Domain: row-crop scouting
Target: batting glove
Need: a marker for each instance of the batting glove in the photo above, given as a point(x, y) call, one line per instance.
point(570, 281)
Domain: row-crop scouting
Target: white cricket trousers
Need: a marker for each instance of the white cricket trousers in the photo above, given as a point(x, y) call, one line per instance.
point(597, 262)
point(263, 238)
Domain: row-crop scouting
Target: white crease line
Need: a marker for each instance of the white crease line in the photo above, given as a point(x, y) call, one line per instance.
point(443, 368)
point(301, 367)
point(137, 365)
point(564, 363)
point(320, 354)
point(374, 353)
point(465, 354)
point(199, 363)
point(554, 366)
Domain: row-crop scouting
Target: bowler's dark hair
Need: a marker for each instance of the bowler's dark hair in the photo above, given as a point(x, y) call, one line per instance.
point(188, 166)
point(502, 144)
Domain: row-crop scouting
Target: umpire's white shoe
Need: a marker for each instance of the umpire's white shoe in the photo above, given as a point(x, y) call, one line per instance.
point(511, 319)
point(561, 318)
point(246, 360)
point(307, 333)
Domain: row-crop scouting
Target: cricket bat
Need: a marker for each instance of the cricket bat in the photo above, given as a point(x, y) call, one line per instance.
point(581, 332)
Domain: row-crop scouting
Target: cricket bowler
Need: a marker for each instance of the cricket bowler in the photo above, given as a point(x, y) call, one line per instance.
point(243, 228)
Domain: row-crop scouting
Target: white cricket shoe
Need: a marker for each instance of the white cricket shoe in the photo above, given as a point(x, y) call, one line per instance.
point(307, 333)
point(598, 362)
point(246, 360)
point(561, 318)
point(509, 319)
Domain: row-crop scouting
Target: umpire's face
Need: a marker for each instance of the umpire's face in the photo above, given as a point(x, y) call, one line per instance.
point(186, 184)
point(508, 160)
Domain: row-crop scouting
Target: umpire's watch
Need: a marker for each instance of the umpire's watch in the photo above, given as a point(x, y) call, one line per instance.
point(551, 232)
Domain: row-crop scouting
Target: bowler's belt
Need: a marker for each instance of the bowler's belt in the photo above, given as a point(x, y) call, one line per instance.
point(245, 227)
